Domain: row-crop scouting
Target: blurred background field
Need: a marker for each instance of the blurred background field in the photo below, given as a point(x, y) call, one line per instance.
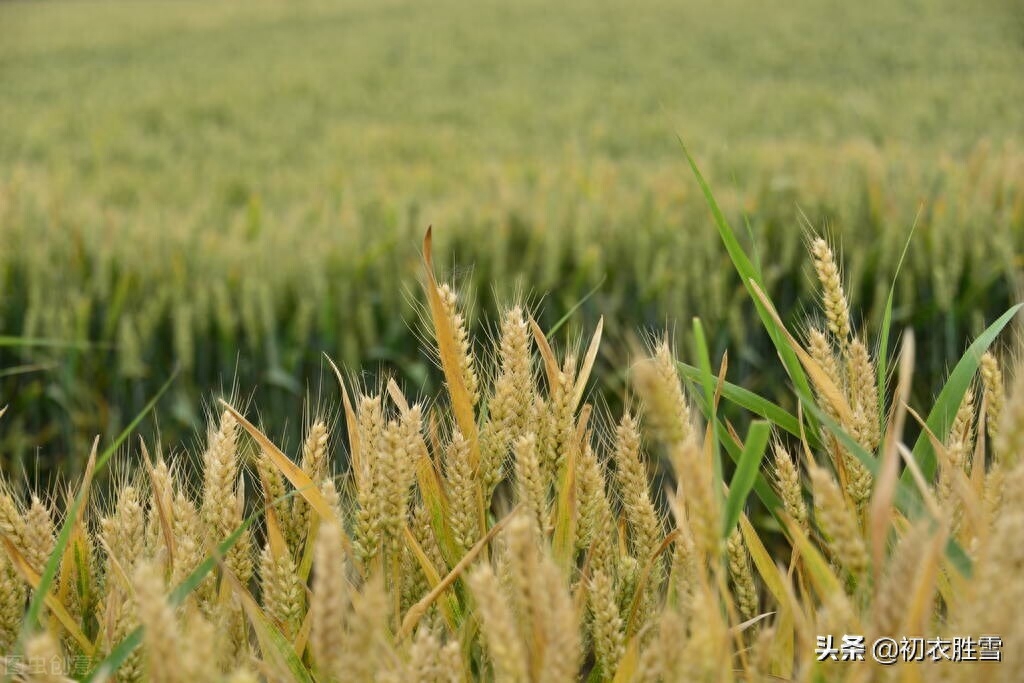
point(238, 187)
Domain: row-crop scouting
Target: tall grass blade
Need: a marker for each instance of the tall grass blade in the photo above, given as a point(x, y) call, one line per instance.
point(118, 655)
point(746, 473)
point(734, 448)
point(748, 273)
point(575, 307)
point(744, 398)
point(28, 342)
point(943, 411)
point(883, 337)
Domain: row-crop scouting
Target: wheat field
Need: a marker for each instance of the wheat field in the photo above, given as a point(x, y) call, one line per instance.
point(600, 423)
point(508, 529)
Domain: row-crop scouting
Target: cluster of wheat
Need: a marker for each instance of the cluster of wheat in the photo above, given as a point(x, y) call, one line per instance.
point(505, 530)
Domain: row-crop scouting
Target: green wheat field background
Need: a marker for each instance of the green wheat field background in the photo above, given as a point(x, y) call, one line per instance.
point(205, 205)
point(238, 187)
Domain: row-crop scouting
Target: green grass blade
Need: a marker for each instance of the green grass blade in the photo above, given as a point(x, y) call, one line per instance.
point(747, 469)
point(781, 418)
point(26, 369)
point(959, 557)
point(747, 272)
point(756, 262)
point(883, 338)
point(762, 488)
point(273, 644)
point(192, 581)
point(48, 343)
point(940, 419)
point(109, 451)
point(108, 666)
point(575, 307)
